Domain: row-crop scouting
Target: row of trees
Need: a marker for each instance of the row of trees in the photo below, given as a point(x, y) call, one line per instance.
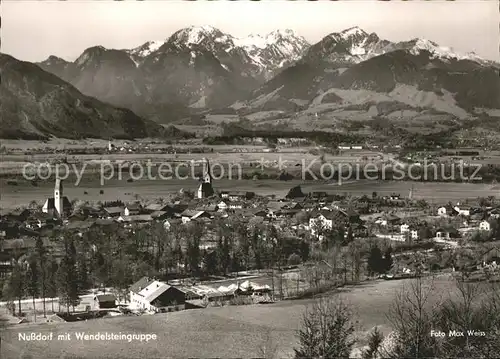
point(39, 274)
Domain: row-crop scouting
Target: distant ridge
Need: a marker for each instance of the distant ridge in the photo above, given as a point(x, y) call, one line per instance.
point(36, 104)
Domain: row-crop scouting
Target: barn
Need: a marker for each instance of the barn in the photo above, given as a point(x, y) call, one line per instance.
point(105, 301)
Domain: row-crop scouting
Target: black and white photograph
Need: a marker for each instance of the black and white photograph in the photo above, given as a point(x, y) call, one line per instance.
point(249, 179)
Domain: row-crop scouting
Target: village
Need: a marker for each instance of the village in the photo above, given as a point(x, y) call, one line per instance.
point(309, 227)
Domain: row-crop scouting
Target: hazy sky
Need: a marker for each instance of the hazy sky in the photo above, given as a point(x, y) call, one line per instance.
point(33, 30)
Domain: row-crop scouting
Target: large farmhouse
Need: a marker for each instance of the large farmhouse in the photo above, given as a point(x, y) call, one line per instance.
point(152, 295)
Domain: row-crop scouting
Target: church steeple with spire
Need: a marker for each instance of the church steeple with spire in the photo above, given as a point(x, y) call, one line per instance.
point(207, 178)
point(206, 190)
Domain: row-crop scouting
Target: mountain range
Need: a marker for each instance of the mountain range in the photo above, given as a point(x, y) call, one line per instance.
point(347, 75)
point(356, 60)
point(195, 68)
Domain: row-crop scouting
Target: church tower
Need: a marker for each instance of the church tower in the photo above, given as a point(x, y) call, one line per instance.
point(206, 190)
point(58, 197)
point(207, 178)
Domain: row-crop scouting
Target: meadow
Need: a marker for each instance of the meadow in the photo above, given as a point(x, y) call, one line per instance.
point(231, 331)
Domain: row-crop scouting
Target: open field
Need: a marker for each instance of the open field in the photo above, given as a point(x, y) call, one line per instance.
point(234, 331)
point(257, 154)
point(114, 189)
point(61, 144)
point(245, 156)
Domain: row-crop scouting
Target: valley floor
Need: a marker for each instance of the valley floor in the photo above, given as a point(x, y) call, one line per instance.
point(433, 192)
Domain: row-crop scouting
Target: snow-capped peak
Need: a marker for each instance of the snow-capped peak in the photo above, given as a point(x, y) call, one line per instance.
point(261, 42)
point(204, 28)
point(147, 48)
point(282, 33)
point(254, 53)
point(273, 50)
point(424, 44)
point(252, 40)
point(350, 45)
point(352, 35)
point(353, 31)
point(194, 35)
point(420, 44)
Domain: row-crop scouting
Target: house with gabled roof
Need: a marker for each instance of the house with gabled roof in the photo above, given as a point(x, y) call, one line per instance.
point(189, 215)
point(236, 196)
point(274, 205)
point(388, 220)
point(222, 205)
point(351, 215)
point(41, 219)
point(287, 212)
point(260, 212)
point(318, 195)
point(463, 210)
point(139, 285)
point(292, 205)
point(495, 213)
point(485, 226)
point(156, 296)
point(179, 207)
point(447, 210)
point(104, 222)
point(138, 218)
point(321, 220)
point(309, 206)
point(132, 209)
point(160, 215)
point(79, 227)
point(491, 255)
point(105, 301)
point(409, 230)
point(236, 205)
point(208, 208)
point(113, 212)
point(16, 215)
point(155, 207)
point(447, 233)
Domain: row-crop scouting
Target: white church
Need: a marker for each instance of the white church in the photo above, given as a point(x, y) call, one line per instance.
point(205, 189)
point(59, 205)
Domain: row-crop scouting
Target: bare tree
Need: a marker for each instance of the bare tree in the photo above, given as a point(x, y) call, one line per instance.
point(356, 261)
point(474, 312)
point(333, 261)
point(413, 317)
point(458, 314)
point(15, 285)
